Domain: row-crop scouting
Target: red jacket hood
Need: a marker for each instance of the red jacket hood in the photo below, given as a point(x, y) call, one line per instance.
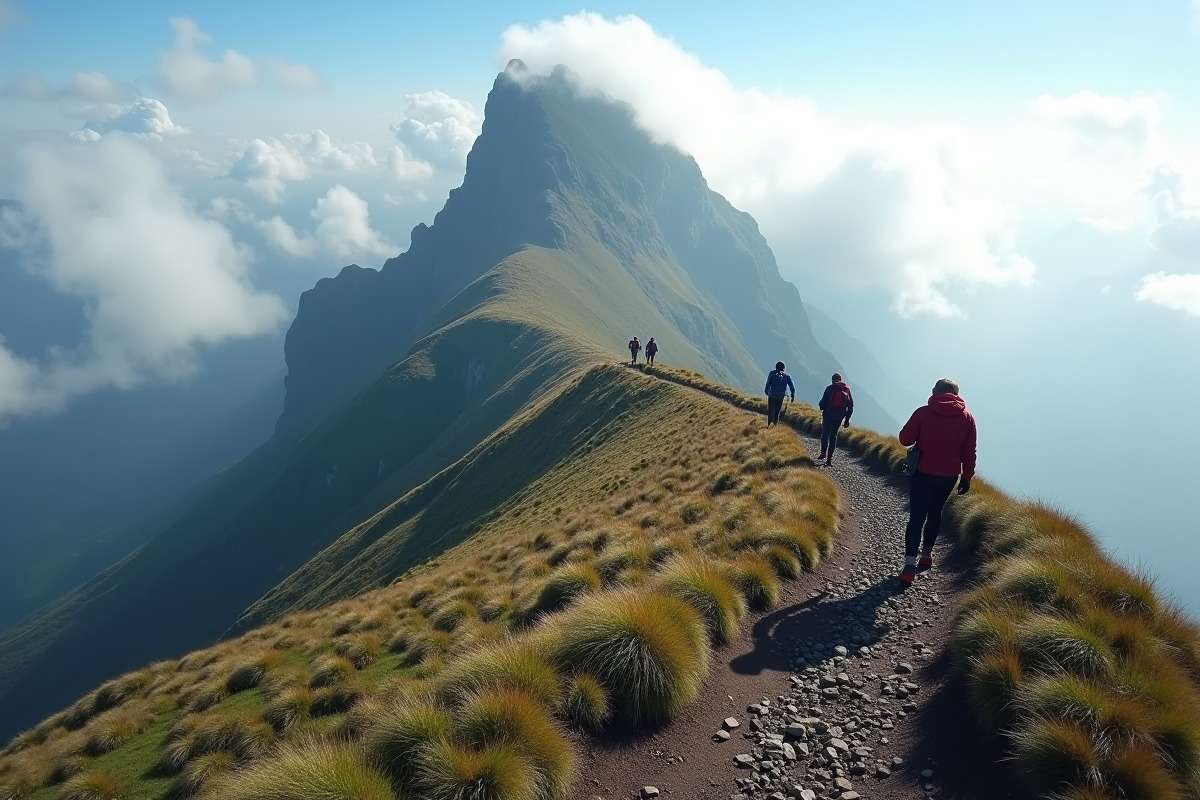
point(948, 405)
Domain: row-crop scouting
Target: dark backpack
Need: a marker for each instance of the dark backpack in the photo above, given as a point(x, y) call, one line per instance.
point(777, 381)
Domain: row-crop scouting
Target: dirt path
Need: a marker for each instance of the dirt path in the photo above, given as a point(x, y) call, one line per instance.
point(844, 691)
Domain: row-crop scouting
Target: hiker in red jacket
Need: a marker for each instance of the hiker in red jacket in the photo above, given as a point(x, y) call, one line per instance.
point(944, 432)
point(634, 347)
point(837, 404)
point(651, 350)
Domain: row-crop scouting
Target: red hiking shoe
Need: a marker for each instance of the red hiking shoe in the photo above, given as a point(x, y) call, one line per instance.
point(926, 562)
point(908, 575)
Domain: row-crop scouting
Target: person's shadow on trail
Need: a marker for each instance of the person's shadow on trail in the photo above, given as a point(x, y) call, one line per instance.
point(850, 621)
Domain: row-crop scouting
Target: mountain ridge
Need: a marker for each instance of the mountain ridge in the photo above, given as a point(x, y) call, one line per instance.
point(396, 374)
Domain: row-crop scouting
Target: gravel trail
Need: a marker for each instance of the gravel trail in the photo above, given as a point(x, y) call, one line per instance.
point(844, 691)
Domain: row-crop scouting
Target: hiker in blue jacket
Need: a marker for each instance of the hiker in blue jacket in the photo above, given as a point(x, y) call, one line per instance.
point(837, 404)
point(778, 385)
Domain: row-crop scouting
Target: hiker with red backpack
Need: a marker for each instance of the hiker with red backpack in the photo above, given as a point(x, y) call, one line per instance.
point(778, 384)
point(942, 438)
point(837, 404)
point(651, 350)
point(634, 347)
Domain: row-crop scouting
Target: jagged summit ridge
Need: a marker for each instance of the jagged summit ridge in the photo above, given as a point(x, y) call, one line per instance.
point(559, 170)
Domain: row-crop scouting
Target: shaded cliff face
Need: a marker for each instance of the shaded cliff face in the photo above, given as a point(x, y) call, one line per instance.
point(554, 169)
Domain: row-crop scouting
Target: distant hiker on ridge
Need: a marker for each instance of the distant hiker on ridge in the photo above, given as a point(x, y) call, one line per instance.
point(634, 347)
point(651, 349)
point(944, 433)
point(837, 404)
point(778, 384)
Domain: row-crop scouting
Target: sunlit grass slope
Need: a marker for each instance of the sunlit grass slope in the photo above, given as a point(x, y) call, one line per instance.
point(1089, 675)
point(583, 595)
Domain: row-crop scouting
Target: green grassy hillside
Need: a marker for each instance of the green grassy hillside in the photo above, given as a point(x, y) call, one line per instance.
point(617, 530)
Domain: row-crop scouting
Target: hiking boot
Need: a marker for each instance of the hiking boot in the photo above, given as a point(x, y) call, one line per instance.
point(908, 575)
point(823, 454)
point(926, 562)
point(829, 460)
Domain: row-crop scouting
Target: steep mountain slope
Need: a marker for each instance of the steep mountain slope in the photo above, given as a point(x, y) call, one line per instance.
point(861, 366)
point(571, 232)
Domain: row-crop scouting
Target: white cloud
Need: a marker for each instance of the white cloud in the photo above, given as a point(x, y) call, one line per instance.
point(291, 77)
point(187, 71)
point(1101, 121)
point(268, 165)
point(871, 205)
point(89, 87)
point(1176, 231)
point(147, 118)
point(437, 128)
point(343, 230)
point(102, 224)
point(406, 168)
point(1174, 291)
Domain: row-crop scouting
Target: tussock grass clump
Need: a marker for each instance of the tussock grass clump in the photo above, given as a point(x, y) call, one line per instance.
point(94, 786)
point(314, 769)
point(993, 682)
point(290, 707)
point(755, 579)
point(586, 703)
point(117, 692)
point(694, 512)
point(1055, 753)
point(519, 664)
point(452, 615)
point(564, 586)
point(783, 561)
point(648, 650)
point(244, 737)
point(251, 674)
point(66, 767)
point(331, 670)
point(449, 771)
point(201, 772)
point(361, 649)
point(112, 729)
point(1050, 644)
point(399, 731)
point(703, 585)
point(336, 699)
point(511, 718)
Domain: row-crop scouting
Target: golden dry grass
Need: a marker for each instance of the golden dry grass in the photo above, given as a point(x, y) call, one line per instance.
point(546, 600)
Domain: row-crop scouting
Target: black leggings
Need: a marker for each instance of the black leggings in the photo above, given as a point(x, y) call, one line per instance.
point(926, 496)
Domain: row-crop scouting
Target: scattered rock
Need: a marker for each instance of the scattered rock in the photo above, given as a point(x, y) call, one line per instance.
point(648, 792)
point(731, 723)
point(721, 736)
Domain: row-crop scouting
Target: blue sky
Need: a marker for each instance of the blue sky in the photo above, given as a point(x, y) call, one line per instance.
point(1004, 191)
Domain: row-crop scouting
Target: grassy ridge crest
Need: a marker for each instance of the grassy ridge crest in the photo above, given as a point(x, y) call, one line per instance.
point(592, 599)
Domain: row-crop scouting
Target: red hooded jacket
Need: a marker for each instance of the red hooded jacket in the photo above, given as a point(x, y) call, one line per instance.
point(945, 432)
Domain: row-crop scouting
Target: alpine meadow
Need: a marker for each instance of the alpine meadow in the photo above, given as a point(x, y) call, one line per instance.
point(483, 557)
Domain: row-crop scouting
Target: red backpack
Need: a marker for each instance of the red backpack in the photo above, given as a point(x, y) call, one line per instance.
point(840, 398)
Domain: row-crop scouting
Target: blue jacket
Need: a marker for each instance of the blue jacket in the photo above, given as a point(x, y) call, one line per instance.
point(778, 384)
